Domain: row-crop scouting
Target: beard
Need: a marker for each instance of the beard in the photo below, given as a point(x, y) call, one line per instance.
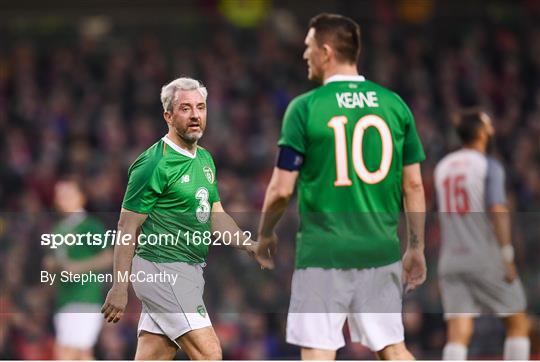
point(188, 136)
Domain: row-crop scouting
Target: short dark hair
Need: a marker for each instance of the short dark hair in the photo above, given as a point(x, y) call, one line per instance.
point(340, 32)
point(467, 123)
point(72, 177)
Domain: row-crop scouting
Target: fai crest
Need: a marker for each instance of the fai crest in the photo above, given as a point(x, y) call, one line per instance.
point(201, 311)
point(209, 174)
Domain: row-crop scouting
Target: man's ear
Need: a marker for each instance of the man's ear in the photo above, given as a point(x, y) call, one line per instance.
point(328, 52)
point(167, 116)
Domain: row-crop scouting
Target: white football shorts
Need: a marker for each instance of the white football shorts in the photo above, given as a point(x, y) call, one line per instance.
point(171, 309)
point(78, 325)
point(473, 294)
point(369, 299)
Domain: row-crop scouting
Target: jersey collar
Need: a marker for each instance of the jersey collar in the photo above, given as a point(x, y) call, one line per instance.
point(178, 149)
point(345, 78)
point(73, 219)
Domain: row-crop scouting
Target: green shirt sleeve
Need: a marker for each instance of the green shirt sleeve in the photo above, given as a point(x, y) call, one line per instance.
point(146, 183)
point(413, 152)
point(293, 130)
point(214, 194)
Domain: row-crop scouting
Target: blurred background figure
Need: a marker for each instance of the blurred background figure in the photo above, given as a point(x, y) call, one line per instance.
point(477, 273)
point(77, 319)
point(79, 91)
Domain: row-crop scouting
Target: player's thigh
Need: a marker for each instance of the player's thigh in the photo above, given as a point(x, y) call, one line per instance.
point(517, 325)
point(87, 355)
point(66, 353)
point(201, 344)
point(394, 352)
point(316, 354)
point(460, 329)
point(151, 346)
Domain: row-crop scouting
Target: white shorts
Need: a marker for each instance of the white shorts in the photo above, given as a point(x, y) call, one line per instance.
point(471, 294)
point(171, 309)
point(369, 299)
point(78, 325)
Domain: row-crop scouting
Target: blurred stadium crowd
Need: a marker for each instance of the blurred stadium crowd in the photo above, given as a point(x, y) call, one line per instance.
point(86, 99)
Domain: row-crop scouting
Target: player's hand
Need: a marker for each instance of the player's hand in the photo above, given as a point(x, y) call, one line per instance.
point(115, 304)
point(251, 248)
point(414, 268)
point(510, 272)
point(265, 251)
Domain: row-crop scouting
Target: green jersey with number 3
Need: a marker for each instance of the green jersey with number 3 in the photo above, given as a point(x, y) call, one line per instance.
point(177, 191)
point(355, 136)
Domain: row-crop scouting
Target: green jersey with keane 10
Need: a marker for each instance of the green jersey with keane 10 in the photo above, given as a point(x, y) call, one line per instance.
point(177, 191)
point(356, 136)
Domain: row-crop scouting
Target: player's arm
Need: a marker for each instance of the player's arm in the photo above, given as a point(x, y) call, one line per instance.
point(415, 205)
point(414, 264)
point(500, 216)
point(292, 149)
point(116, 301)
point(277, 198)
point(223, 222)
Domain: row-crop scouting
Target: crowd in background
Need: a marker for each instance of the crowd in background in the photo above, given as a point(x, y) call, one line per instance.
point(87, 101)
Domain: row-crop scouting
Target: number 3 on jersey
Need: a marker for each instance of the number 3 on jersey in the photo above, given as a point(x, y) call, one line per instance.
point(342, 168)
point(204, 209)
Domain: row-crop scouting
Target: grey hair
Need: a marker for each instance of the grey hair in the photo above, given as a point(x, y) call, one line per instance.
point(168, 91)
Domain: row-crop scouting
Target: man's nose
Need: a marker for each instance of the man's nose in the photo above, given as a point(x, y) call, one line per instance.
point(195, 114)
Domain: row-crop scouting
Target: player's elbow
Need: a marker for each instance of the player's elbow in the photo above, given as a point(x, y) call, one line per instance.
point(281, 193)
point(412, 180)
point(413, 186)
point(284, 194)
point(126, 226)
point(122, 224)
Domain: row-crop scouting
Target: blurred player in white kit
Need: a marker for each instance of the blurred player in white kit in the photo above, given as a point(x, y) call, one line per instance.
point(477, 273)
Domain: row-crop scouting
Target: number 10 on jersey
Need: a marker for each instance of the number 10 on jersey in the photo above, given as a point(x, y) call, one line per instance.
point(337, 124)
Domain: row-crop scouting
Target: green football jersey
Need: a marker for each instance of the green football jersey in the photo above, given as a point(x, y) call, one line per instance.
point(74, 292)
point(177, 191)
point(355, 136)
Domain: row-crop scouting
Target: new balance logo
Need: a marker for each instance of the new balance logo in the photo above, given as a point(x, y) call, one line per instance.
point(184, 179)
